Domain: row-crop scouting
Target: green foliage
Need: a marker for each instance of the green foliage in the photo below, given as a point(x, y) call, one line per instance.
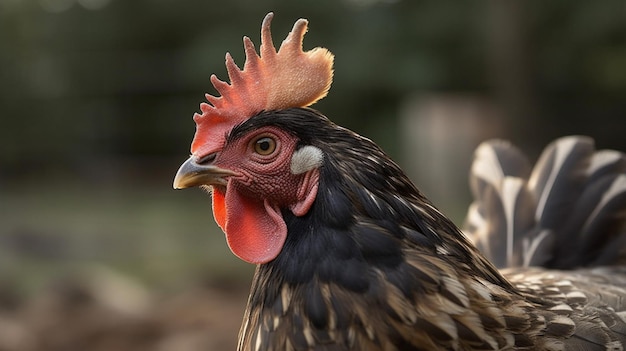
point(88, 80)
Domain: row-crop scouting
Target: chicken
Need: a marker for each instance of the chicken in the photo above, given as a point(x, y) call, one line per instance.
point(350, 255)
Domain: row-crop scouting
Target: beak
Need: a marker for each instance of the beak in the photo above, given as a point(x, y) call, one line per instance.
point(192, 173)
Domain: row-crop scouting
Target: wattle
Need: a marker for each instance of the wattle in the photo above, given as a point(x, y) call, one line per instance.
point(255, 230)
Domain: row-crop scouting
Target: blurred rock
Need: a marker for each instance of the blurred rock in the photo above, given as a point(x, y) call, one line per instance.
point(15, 336)
point(98, 309)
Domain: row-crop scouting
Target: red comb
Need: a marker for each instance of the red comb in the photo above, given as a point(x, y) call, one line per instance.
point(272, 81)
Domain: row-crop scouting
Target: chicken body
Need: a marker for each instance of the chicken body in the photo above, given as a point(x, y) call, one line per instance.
point(373, 265)
point(351, 256)
point(354, 269)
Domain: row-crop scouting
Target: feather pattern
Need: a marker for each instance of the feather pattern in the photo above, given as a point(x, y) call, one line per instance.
point(375, 266)
point(568, 212)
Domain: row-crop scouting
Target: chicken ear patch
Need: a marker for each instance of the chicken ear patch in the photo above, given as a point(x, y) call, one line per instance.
point(255, 230)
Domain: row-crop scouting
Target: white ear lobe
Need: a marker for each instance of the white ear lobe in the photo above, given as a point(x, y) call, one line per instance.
point(306, 159)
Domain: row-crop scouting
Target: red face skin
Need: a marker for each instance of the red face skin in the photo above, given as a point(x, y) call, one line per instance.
point(248, 208)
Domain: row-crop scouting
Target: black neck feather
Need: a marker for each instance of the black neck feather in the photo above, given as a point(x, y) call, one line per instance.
point(367, 212)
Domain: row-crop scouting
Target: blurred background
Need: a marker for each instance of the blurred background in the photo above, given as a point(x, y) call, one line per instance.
point(96, 96)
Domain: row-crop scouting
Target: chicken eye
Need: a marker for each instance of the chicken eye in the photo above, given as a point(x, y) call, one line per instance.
point(265, 146)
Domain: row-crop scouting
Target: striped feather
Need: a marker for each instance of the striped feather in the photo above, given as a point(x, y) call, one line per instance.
point(558, 178)
point(495, 178)
point(567, 212)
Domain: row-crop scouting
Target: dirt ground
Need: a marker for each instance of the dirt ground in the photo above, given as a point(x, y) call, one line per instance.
point(106, 311)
